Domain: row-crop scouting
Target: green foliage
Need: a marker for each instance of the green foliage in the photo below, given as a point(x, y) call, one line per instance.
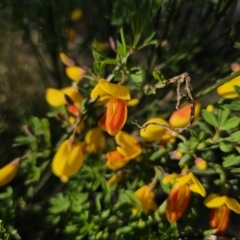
point(138, 44)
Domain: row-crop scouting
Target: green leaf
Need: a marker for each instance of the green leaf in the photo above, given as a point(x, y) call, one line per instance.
point(234, 105)
point(231, 123)
point(205, 127)
point(120, 49)
point(222, 115)
point(184, 160)
point(237, 89)
point(129, 197)
point(110, 61)
point(235, 136)
point(98, 201)
point(209, 118)
point(136, 74)
point(231, 161)
point(226, 146)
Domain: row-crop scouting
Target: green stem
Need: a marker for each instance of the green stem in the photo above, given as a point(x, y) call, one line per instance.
point(217, 84)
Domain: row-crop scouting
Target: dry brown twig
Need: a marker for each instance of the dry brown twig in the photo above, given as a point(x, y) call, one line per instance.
point(188, 89)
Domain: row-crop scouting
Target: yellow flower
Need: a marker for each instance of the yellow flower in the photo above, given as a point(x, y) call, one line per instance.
point(116, 111)
point(9, 171)
point(94, 140)
point(180, 194)
point(75, 73)
point(56, 98)
point(180, 118)
point(146, 197)
point(227, 89)
point(127, 150)
point(221, 206)
point(80, 126)
point(68, 159)
point(157, 133)
point(133, 102)
point(76, 15)
point(115, 179)
point(66, 60)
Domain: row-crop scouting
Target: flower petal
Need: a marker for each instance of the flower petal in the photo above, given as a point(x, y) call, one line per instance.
point(75, 73)
point(171, 177)
point(67, 160)
point(116, 160)
point(95, 140)
point(196, 186)
point(66, 60)
point(115, 90)
point(9, 171)
point(98, 91)
point(133, 102)
point(227, 89)
point(116, 115)
point(233, 204)
point(214, 200)
point(54, 97)
point(153, 132)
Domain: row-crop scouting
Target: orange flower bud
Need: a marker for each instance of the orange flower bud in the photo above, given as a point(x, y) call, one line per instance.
point(116, 115)
point(115, 160)
point(177, 202)
point(102, 122)
point(180, 118)
point(219, 218)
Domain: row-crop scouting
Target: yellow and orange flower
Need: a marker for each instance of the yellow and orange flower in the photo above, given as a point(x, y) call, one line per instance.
point(220, 211)
point(127, 150)
point(227, 89)
point(116, 110)
point(146, 197)
point(157, 133)
point(56, 98)
point(68, 159)
point(180, 194)
point(94, 140)
point(180, 118)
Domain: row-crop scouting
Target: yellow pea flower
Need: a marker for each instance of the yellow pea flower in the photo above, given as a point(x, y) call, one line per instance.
point(68, 159)
point(56, 98)
point(9, 171)
point(146, 197)
point(157, 133)
point(180, 118)
point(180, 194)
point(116, 111)
point(227, 89)
point(127, 150)
point(220, 211)
point(133, 102)
point(75, 73)
point(94, 140)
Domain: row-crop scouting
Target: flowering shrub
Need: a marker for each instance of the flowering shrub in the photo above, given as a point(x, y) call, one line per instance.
point(128, 149)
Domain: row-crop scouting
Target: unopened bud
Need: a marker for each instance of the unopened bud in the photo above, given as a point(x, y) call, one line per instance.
point(201, 164)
